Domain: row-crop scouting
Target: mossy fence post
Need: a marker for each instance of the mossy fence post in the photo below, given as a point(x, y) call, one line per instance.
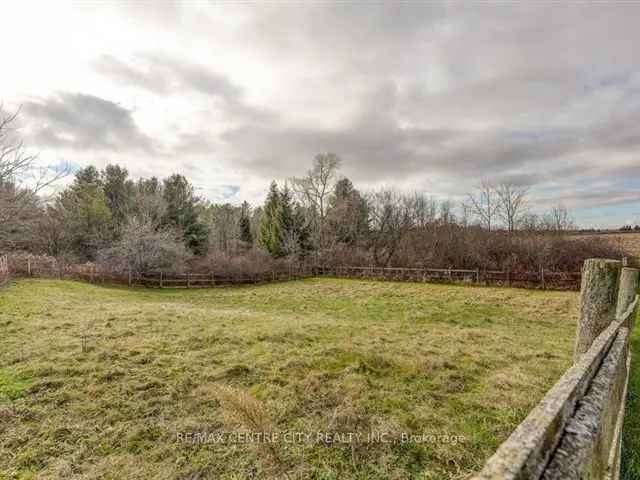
point(629, 279)
point(598, 299)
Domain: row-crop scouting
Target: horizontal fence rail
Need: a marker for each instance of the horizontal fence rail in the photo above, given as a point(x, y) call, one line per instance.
point(46, 267)
point(575, 431)
point(49, 267)
point(542, 278)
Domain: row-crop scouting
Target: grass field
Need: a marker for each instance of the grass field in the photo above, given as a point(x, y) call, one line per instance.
point(108, 383)
point(631, 436)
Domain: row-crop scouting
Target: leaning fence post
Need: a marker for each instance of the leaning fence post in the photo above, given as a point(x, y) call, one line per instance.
point(629, 279)
point(598, 298)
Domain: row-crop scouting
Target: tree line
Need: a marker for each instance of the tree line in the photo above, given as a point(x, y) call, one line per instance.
point(321, 217)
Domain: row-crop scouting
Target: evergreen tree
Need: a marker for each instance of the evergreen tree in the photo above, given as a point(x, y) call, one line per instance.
point(270, 233)
point(303, 229)
point(286, 223)
point(285, 212)
point(348, 214)
point(119, 191)
point(245, 225)
point(85, 213)
point(182, 213)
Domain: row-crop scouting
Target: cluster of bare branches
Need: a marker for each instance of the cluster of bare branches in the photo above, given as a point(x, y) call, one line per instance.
point(506, 201)
point(315, 189)
point(21, 179)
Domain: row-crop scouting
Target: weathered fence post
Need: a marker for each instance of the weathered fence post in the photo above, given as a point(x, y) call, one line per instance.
point(188, 280)
point(29, 267)
point(629, 279)
point(130, 277)
point(160, 279)
point(598, 297)
point(544, 285)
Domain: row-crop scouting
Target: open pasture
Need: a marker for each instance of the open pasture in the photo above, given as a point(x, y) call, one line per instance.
point(319, 378)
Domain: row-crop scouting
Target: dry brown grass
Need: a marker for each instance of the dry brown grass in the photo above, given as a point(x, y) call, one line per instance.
point(96, 383)
point(624, 242)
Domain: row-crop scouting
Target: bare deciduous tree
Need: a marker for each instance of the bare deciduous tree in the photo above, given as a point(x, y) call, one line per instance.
point(558, 219)
point(144, 247)
point(530, 222)
point(391, 215)
point(314, 190)
point(446, 215)
point(484, 204)
point(512, 201)
point(425, 209)
point(223, 221)
point(20, 177)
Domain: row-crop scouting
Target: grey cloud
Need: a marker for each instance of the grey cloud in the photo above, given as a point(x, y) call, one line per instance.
point(163, 75)
point(83, 122)
point(140, 76)
point(199, 143)
point(595, 198)
point(376, 147)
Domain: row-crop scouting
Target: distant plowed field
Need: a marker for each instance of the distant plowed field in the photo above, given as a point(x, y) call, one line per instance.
point(629, 242)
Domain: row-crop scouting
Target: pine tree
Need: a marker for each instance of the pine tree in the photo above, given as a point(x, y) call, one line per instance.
point(285, 212)
point(245, 225)
point(182, 212)
point(286, 223)
point(270, 233)
point(119, 191)
point(302, 228)
point(86, 214)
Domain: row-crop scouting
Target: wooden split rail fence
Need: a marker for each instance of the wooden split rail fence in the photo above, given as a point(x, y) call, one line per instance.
point(574, 433)
point(35, 267)
point(539, 279)
point(205, 280)
point(49, 267)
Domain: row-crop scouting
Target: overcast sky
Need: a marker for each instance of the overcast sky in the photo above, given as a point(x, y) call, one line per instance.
point(424, 96)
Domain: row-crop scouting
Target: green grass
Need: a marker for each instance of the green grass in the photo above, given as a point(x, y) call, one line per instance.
point(98, 382)
point(631, 432)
